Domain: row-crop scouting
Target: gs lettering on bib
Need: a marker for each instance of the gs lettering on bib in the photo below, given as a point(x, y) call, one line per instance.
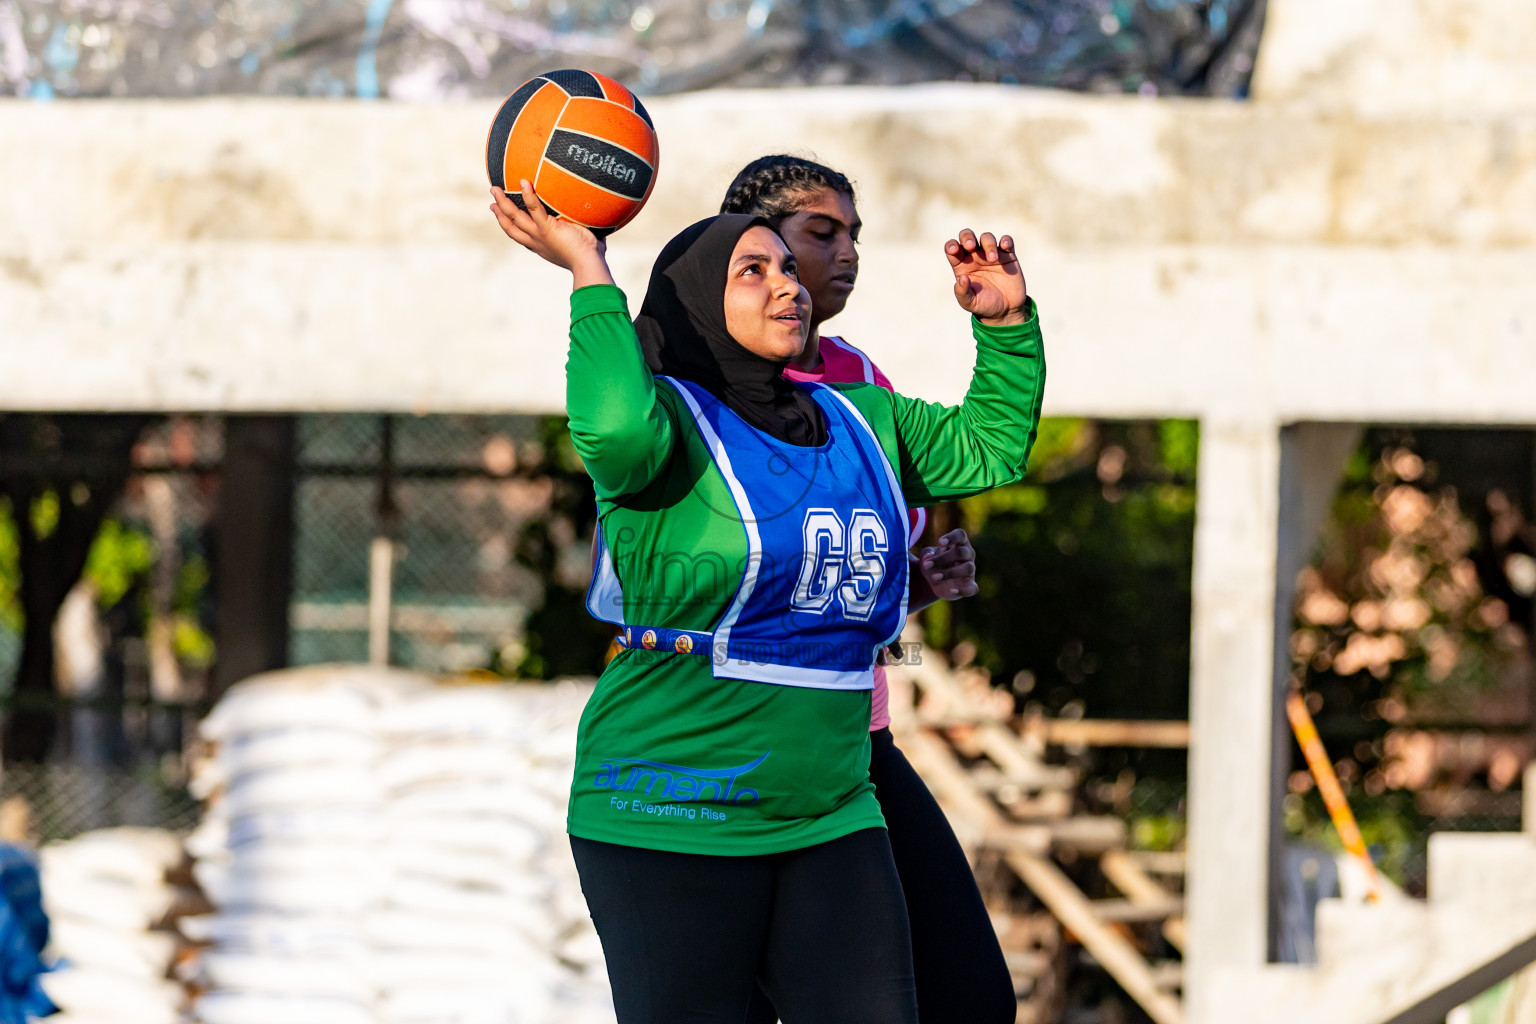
point(824, 584)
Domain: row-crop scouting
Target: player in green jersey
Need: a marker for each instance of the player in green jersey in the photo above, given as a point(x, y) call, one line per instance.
point(725, 827)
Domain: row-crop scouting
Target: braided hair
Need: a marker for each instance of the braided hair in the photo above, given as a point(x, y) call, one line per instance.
point(775, 187)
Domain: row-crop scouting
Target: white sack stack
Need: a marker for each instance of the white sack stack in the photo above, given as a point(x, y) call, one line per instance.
point(288, 850)
point(113, 897)
point(484, 921)
point(383, 851)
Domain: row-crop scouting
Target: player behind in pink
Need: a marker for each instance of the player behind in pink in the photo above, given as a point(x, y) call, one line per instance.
point(960, 972)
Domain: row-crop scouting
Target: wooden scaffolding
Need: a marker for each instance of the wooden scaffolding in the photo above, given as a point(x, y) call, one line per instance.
point(1019, 817)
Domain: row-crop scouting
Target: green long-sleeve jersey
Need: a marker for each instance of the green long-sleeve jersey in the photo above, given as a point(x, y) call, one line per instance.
point(669, 755)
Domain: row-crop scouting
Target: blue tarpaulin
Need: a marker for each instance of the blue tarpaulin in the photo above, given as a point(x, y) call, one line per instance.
point(23, 934)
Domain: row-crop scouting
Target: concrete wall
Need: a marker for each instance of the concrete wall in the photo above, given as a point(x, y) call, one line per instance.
point(1459, 57)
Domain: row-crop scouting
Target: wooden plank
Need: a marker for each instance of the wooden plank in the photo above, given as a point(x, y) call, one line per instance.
point(1052, 804)
point(1087, 834)
point(1026, 964)
point(1104, 732)
point(958, 705)
point(1159, 862)
point(1169, 974)
point(1004, 747)
point(1074, 910)
point(965, 715)
point(991, 779)
point(1047, 805)
point(982, 730)
point(983, 735)
point(1126, 873)
point(950, 784)
point(1137, 911)
point(932, 675)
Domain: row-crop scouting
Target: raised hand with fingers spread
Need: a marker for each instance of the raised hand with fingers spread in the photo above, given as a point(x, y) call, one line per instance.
point(989, 283)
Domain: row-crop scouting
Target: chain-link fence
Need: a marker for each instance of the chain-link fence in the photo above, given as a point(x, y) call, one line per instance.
point(1396, 827)
point(134, 646)
point(453, 495)
point(64, 800)
point(1156, 813)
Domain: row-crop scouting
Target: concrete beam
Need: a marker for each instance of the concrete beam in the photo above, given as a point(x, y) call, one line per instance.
point(1060, 169)
point(1223, 259)
point(1280, 334)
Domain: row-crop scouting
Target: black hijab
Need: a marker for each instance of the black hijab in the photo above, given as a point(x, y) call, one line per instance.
point(682, 333)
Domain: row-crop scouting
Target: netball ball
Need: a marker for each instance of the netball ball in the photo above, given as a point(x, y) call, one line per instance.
point(583, 140)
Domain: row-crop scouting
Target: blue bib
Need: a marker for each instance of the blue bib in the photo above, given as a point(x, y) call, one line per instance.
point(824, 586)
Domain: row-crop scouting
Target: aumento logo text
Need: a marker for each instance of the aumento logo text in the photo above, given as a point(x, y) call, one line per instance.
point(676, 782)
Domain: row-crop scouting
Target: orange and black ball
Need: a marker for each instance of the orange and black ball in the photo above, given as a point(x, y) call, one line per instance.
point(583, 140)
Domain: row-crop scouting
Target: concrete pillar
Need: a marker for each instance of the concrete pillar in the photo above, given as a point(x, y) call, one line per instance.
point(255, 547)
point(1231, 708)
point(1312, 461)
point(1265, 493)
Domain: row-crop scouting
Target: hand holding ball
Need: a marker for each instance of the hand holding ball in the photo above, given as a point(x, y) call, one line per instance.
point(585, 143)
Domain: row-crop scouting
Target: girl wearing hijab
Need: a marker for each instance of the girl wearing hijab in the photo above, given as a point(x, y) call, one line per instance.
point(721, 816)
point(962, 977)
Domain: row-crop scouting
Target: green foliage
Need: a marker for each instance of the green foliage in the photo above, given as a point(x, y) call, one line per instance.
point(1059, 445)
point(192, 643)
point(119, 562)
point(1157, 831)
point(1084, 571)
point(1391, 826)
point(45, 514)
point(192, 585)
point(120, 557)
point(938, 625)
point(10, 571)
point(1178, 445)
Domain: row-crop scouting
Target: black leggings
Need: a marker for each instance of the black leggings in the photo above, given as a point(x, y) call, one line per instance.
point(961, 975)
point(689, 937)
